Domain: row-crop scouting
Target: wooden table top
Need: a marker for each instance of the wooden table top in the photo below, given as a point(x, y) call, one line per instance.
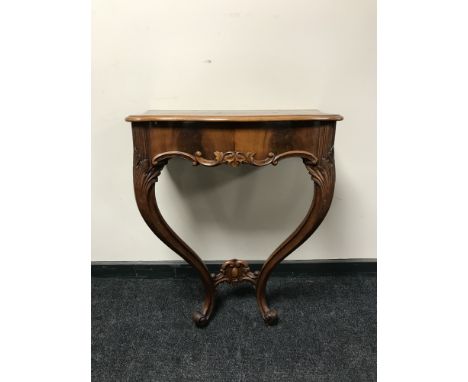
point(233, 115)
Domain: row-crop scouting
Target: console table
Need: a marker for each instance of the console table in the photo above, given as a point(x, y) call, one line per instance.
point(234, 138)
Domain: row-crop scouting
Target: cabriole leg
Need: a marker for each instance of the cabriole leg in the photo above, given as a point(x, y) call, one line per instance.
point(323, 176)
point(145, 175)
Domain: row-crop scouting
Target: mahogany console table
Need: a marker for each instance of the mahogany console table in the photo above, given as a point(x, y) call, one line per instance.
point(213, 138)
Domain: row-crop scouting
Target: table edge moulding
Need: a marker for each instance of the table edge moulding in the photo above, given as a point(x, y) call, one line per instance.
point(233, 137)
point(233, 115)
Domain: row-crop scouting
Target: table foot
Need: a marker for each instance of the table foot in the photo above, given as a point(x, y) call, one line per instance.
point(200, 319)
point(270, 317)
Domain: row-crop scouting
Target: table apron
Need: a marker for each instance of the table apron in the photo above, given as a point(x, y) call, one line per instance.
point(257, 140)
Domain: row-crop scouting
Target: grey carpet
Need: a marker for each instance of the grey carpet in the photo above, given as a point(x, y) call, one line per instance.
point(142, 331)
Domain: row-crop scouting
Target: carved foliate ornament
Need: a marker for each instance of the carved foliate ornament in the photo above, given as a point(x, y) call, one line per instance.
point(235, 158)
point(235, 271)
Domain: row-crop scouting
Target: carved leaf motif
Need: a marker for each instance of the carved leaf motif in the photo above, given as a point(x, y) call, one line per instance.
point(234, 158)
point(218, 156)
point(250, 157)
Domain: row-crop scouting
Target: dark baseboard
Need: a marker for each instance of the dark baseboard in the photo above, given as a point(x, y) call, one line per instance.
point(180, 269)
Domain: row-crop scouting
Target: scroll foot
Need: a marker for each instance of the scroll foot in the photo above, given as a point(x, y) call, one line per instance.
point(200, 320)
point(270, 317)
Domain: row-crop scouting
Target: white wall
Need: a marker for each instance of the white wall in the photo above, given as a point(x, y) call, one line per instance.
point(234, 54)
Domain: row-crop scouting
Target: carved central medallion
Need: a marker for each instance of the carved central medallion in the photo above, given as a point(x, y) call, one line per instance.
point(235, 271)
point(234, 158)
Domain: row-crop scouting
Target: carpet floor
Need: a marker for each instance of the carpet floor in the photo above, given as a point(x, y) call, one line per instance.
point(142, 331)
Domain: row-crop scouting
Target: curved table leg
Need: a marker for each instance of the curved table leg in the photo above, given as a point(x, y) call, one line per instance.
point(323, 175)
point(145, 176)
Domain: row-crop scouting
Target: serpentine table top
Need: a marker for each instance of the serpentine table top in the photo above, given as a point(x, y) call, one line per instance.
point(233, 115)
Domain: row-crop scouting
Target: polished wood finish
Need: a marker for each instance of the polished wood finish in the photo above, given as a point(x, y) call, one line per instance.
point(233, 116)
point(234, 142)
